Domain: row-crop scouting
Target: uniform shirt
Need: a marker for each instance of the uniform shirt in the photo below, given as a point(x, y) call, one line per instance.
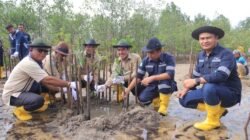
point(18, 42)
point(93, 66)
point(25, 73)
point(48, 67)
point(166, 64)
point(27, 37)
point(241, 60)
point(219, 67)
point(125, 67)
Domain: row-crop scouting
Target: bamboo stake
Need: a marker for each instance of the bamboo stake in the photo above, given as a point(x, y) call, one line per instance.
point(136, 90)
point(87, 114)
point(5, 65)
point(69, 99)
point(77, 88)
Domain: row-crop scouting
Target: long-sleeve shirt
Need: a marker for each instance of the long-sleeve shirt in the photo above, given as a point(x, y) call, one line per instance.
point(126, 68)
point(218, 67)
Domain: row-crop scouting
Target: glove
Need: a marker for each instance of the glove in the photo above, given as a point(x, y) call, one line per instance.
point(85, 77)
point(72, 85)
point(74, 94)
point(16, 54)
point(100, 88)
point(118, 80)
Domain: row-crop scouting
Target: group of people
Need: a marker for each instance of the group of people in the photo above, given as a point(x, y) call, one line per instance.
point(19, 41)
point(215, 71)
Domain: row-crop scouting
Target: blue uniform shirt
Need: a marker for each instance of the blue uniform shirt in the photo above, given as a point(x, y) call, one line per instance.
point(166, 64)
point(219, 67)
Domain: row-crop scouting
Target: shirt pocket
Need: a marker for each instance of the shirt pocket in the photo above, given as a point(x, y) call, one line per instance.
point(214, 66)
point(162, 68)
point(150, 69)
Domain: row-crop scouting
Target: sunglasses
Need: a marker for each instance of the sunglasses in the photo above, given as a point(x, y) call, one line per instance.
point(42, 50)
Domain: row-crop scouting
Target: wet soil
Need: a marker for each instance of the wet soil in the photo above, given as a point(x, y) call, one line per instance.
point(110, 122)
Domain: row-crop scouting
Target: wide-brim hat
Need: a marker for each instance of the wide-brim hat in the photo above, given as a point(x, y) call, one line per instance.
point(123, 44)
point(208, 29)
point(153, 44)
point(62, 48)
point(39, 43)
point(91, 42)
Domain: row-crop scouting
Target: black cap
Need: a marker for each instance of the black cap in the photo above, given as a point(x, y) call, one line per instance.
point(153, 44)
point(122, 43)
point(91, 42)
point(208, 29)
point(39, 43)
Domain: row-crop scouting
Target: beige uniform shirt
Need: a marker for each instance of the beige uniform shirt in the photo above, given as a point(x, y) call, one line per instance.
point(93, 66)
point(21, 78)
point(50, 67)
point(127, 67)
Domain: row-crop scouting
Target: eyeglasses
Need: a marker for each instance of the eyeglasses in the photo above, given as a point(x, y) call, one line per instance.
point(43, 50)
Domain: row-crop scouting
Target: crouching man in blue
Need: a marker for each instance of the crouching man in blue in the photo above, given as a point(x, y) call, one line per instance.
point(160, 84)
point(216, 70)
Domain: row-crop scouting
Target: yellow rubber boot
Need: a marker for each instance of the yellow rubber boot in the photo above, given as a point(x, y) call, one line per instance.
point(22, 114)
point(2, 74)
point(164, 101)
point(213, 118)
point(43, 108)
point(46, 98)
point(201, 107)
point(119, 93)
point(156, 103)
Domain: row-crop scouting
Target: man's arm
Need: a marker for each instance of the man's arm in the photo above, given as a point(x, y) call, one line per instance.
point(53, 81)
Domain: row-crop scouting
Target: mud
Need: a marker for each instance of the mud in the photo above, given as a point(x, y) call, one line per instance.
point(110, 122)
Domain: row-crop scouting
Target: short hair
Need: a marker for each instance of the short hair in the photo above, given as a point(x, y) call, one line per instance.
point(21, 24)
point(9, 26)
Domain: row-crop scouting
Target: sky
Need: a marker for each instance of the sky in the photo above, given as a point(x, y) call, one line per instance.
point(234, 10)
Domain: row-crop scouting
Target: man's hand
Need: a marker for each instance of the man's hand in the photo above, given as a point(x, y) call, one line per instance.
point(85, 77)
point(182, 93)
point(100, 88)
point(118, 80)
point(146, 81)
point(16, 54)
point(72, 85)
point(189, 83)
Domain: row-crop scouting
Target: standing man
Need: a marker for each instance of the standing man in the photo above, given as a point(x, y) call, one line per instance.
point(123, 69)
point(160, 84)
point(22, 28)
point(216, 70)
point(18, 43)
point(24, 85)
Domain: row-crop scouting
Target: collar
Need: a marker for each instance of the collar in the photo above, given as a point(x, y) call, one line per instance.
point(161, 59)
point(128, 58)
point(214, 51)
point(88, 56)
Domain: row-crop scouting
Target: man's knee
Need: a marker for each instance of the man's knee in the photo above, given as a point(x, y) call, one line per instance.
point(208, 89)
point(37, 102)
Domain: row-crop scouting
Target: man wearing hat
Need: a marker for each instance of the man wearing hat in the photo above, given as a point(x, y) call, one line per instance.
point(92, 60)
point(241, 62)
point(18, 43)
point(216, 71)
point(160, 84)
point(24, 85)
point(123, 69)
point(51, 64)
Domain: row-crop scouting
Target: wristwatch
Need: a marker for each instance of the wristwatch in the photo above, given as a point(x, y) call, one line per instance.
point(197, 81)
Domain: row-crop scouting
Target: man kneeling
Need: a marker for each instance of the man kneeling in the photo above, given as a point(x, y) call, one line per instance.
point(25, 82)
point(216, 70)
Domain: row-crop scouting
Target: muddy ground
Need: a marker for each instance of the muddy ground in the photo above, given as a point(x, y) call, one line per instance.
point(110, 122)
